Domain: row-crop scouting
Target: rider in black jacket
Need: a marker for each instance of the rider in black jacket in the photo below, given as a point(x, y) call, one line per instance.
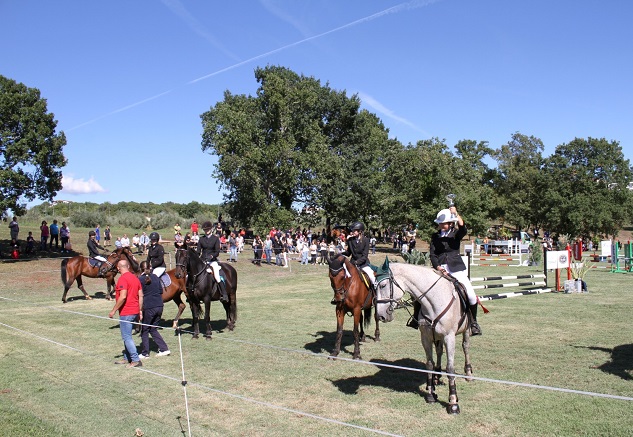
point(156, 255)
point(209, 250)
point(93, 246)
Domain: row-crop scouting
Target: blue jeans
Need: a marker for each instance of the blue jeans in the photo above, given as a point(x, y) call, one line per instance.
point(304, 257)
point(233, 253)
point(269, 254)
point(131, 354)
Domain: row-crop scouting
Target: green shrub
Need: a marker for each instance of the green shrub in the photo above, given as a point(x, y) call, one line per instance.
point(415, 257)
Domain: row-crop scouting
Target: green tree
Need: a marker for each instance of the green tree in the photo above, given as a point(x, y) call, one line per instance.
point(587, 191)
point(518, 182)
point(31, 152)
point(295, 143)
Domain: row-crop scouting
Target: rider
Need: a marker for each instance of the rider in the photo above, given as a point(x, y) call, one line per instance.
point(93, 246)
point(358, 249)
point(445, 257)
point(209, 249)
point(156, 255)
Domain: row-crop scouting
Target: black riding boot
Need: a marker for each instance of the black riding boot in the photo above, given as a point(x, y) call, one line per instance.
point(474, 326)
point(223, 296)
point(413, 320)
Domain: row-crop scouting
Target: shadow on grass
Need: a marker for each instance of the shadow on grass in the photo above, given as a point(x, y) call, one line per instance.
point(394, 379)
point(621, 362)
point(324, 342)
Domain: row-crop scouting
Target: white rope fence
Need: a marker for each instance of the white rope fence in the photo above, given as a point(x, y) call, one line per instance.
point(304, 352)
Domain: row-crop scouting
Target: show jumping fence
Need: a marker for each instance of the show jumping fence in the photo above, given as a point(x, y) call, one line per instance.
point(495, 282)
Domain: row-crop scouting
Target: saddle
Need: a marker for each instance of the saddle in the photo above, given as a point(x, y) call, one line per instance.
point(94, 262)
point(461, 291)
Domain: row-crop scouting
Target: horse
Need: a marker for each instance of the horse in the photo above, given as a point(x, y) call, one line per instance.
point(350, 295)
point(202, 287)
point(442, 317)
point(72, 269)
point(171, 292)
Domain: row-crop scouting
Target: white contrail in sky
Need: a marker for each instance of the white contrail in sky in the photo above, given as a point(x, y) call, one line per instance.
point(414, 4)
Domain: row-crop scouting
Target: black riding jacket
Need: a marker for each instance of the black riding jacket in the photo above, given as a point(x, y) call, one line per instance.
point(156, 256)
point(445, 250)
point(358, 248)
point(209, 247)
point(92, 248)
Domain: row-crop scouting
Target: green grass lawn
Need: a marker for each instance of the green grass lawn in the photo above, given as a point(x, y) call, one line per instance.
point(57, 375)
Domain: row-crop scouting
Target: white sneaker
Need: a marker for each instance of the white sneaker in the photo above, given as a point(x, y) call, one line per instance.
point(143, 357)
point(163, 353)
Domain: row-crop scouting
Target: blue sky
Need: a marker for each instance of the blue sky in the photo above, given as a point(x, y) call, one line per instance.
point(128, 80)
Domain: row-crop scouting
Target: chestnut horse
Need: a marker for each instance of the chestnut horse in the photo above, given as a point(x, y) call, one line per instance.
point(202, 287)
point(74, 268)
point(172, 292)
point(351, 296)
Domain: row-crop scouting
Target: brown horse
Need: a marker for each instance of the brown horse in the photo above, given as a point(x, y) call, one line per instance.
point(202, 287)
point(351, 296)
point(74, 268)
point(172, 292)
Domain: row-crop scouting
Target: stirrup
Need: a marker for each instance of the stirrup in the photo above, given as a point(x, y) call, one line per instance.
point(475, 329)
point(413, 323)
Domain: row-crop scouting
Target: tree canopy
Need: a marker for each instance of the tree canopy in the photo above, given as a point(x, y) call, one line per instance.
point(31, 155)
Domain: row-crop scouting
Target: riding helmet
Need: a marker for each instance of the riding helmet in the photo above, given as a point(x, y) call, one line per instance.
point(91, 234)
point(445, 216)
point(154, 236)
point(207, 225)
point(357, 226)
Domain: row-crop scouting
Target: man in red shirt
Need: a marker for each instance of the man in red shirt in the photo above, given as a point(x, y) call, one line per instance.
point(129, 301)
point(194, 227)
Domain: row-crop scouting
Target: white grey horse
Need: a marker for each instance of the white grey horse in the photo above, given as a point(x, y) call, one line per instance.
point(441, 318)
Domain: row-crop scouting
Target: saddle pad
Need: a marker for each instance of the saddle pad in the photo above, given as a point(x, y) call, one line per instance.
point(165, 279)
point(94, 263)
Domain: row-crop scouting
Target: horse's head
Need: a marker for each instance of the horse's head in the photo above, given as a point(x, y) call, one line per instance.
point(182, 259)
point(388, 294)
point(111, 262)
point(384, 303)
point(338, 276)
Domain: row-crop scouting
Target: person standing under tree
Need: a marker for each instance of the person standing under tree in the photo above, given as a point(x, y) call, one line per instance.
point(44, 231)
point(129, 301)
point(54, 231)
point(15, 228)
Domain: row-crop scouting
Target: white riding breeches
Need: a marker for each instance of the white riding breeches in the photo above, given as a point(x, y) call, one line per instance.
point(158, 271)
point(462, 277)
point(216, 271)
point(370, 274)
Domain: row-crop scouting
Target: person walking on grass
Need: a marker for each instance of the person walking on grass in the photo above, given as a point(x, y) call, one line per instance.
point(129, 301)
point(152, 311)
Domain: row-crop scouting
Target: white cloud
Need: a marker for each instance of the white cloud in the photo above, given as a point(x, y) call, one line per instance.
point(374, 104)
point(70, 185)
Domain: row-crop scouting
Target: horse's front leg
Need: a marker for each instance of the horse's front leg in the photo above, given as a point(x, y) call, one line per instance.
point(377, 331)
point(449, 344)
point(358, 322)
point(340, 319)
point(439, 351)
point(427, 343)
point(194, 315)
point(207, 317)
point(181, 307)
point(109, 286)
point(468, 368)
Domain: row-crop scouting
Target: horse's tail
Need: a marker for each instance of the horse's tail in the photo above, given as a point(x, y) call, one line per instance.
point(64, 278)
point(367, 316)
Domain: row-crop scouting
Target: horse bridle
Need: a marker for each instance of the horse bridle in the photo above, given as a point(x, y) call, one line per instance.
point(112, 266)
point(334, 273)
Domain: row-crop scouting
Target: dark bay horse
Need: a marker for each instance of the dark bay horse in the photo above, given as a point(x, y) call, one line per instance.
point(172, 292)
point(351, 296)
point(202, 287)
point(74, 268)
point(441, 319)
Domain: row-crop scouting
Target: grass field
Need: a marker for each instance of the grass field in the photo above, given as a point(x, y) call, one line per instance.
point(271, 376)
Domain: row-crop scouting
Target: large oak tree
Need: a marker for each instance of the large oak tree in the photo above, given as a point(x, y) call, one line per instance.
point(31, 153)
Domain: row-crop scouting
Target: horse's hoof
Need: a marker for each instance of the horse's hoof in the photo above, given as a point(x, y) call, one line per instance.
point(376, 339)
point(453, 409)
point(194, 337)
point(88, 298)
point(208, 337)
point(63, 300)
point(362, 340)
point(430, 398)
